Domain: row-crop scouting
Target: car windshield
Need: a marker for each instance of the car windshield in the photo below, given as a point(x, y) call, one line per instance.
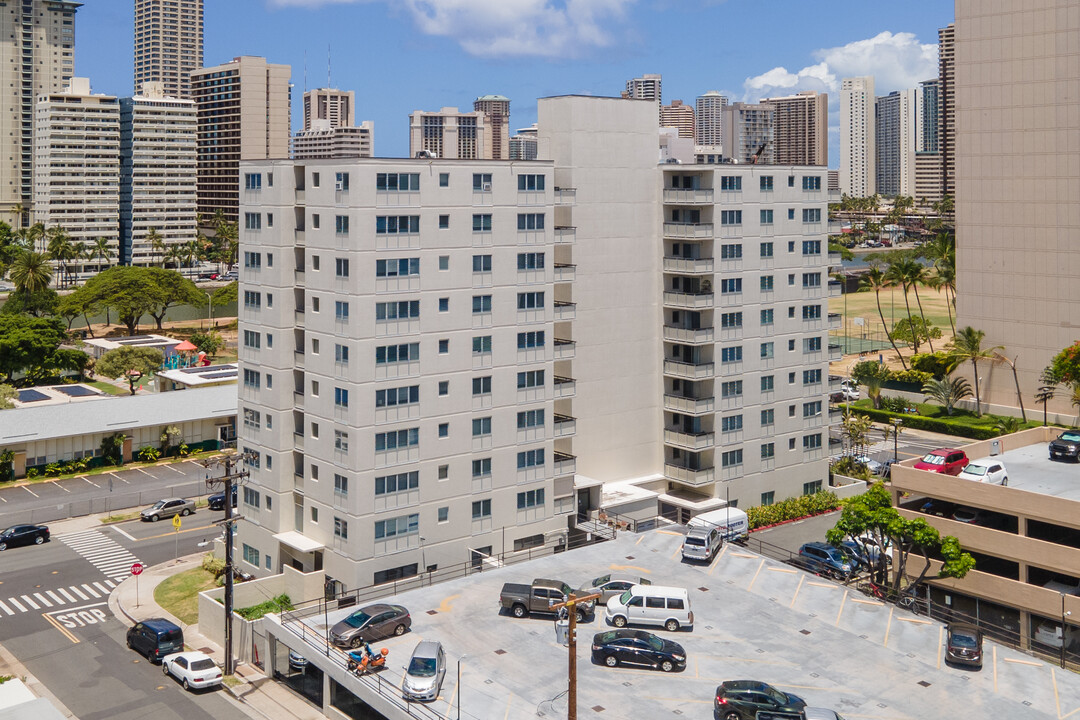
point(775, 694)
point(601, 580)
point(694, 541)
point(206, 664)
point(159, 504)
point(357, 619)
point(964, 640)
point(974, 469)
point(655, 643)
point(5, 531)
point(422, 667)
point(625, 597)
point(1070, 437)
point(932, 459)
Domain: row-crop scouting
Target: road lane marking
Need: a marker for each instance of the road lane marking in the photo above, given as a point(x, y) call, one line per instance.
point(43, 600)
point(447, 604)
point(717, 560)
point(941, 649)
point(1023, 662)
point(101, 587)
point(124, 533)
point(65, 593)
point(862, 601)
point(639, 540)
point(6, 609)
point(888, 626)
point(630, 567)
point(995, 668)
point(24, 487)
point(144, 472)
point(178, 532)
point(62, 487)
point(110, 583)
point(170, 467)
point(744, 555)
point(91, 482)
point(790, 571)
point(916, 621)
point(120, 478)
point(68, 634)
point(18, 606)
point(668, 532)
point(29, 602)
point(824, 585)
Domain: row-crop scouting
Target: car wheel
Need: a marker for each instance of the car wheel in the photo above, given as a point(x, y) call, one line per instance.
point(185, 512)
point(38, 540)
point(355, 643)
point(619, 621)
point(580, 616)
point(667, 666)
point(3, 546)
point(1005, 481)
point(154, 518)
point(186, 687)
point(399, 630)
point(129, 644)
point(164, 669)
point(519, 611)
point(611, 661)
point(671, 625)
point(150, 656)
point(733, 716)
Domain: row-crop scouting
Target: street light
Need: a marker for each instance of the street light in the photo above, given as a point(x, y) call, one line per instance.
point(459, 685)
point(423, 559)
point(209, 307)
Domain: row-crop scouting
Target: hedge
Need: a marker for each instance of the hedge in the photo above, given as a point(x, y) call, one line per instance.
point(792, 508)
point(278, 604)
point(958, 426)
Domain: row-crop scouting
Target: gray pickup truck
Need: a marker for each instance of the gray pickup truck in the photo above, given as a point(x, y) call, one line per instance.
point(521, 599)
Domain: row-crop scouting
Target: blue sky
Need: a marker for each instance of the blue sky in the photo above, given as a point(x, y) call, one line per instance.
point(405, 55)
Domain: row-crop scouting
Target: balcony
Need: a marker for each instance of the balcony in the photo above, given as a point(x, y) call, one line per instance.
point(565, 233)
point(564, 349)
point(835, 382)
point(690, 301)
point(689, 476)
point(565, 196)
point(298, 441)
point(836, 288)
point(565, 426)
point(298, 275)
point(680, 196)
point(565, 310)
point(689, 371)
point(301, 198)
point(565, 464)
point(691, 336)
point(565, 273)
point(835, 353)
point(298, 318)
point(298, 359)
point(690, 441)
point(298, 400)
point(835, 259)
point(688, 230)
point(299, 237)
point(688, 266)
point(834, 321)
point(565, 387)
point(836, 416)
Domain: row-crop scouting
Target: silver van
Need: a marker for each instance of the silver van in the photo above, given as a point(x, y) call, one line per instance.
point(668, 607)
point(702, 543)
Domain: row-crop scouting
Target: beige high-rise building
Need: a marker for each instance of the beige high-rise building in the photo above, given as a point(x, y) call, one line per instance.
point(947, 106)
point(496, 109)
point(451, 134)
point(244, 107)
point(709, 119)
point(324, 142)
point(857, 146)
point(678, 115)
point(801, 128)
point(647, 87)
point(1017, 122)
point(748, 133)
point(37, 43)
point(168, 44)
point(336, 107)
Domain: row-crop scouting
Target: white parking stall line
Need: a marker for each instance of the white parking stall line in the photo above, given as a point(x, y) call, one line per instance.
point(91, 482)
point(143, 472)
point(78, 592)
point(30, 491)
point(6, 609)
point(66, 594)
point(90, 590)
point(170, 467)
point(26, 599)
point(62, 487)
point(15, 603)
point(43, 600)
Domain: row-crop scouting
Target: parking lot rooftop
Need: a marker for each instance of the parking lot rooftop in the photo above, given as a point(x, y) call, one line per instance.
point(1030, 468)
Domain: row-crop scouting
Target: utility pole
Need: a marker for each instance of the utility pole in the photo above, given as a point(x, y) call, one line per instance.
point(228, 462)
point(571, 611)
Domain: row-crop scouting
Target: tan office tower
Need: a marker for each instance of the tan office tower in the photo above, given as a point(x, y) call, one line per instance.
point(857, 153)
point(243, 110)
point(748, 132)
point(647, 87)
point(37, 38)
point(496, 109)
point(450, 134)
point(801, 128)
point(678, 115)
point(325, 142)
point(1017, 215)
point(168, 44)
point(708, 120)
point(947, 106)
point(336, 107)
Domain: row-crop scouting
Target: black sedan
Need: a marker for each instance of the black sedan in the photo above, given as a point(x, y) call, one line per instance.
point(637, 647)
point(1066, 446)
point(23, 535)
point(217, 502)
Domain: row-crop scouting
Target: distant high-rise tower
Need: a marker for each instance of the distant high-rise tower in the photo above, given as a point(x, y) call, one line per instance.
point(524, 145)
point(947, 106)
point(336, 107)
point(928, 135)
point(748, 129)
point(680, 116)
point(894, 143)
point(451, 134)
point(249, 93)
point(496, 109)
point(708, 119)
point(801, 128)
point(168, 44)
point(647, 87)
point(38, 41)
point(857, 154)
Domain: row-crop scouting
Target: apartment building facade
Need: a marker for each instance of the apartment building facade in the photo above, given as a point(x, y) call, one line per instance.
point(496, 109)
point(325, 142)
point(168, 44)
point(709, 119)
point(336, 108)
point(801, 128)
point(749, 133)
point(678, 115)
point(858, 155)
point(895, 133)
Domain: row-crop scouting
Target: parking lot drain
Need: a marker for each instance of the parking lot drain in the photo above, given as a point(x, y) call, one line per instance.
point(628, 684)
point(924, 683)
point(813, 614)
point(882, 705)
point(865, 637)
point(772, 599)
point(598, 708)
point(703, 589)
point(1028, 703)
point(500, 651)
point(814, 675)
point(708, 627)
point(760, 651)
point(489, 681)
point(911, 655)
point(805, 632)
point(432, 612)
point(630, 557)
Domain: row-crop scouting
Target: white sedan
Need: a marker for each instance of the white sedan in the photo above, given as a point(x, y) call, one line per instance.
point(987, 470)
point(194, 669)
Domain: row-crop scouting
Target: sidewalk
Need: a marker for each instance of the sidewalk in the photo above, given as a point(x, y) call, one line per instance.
point(259, 696)
point(9, 665)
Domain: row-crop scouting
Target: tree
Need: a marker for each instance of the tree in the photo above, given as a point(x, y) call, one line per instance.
point(170, 288)
point(112, 448)
point(873, 375)
point(31, 271)
point(174, 256)
point(74, 304)
point(59, 248)
point(855, 432)
point(947, 391)
point(127, 289)
point(129, 362)
point(872, 515)
point(1044, 395)
point(226, 294)
point(31, 345)
point(41, 303)
point(941, 251)
point(916, 333)
point(171, 437)
point(17, 211)
point(7, 395)
point(896, 275)
point(916, 274)
point(1008, 425)
point(102, 250)
point(967, 345)
point(157, 244)
point(1064, 368)
point(190, 251)
point(875, 280)
point(209, 342)
point(998, 357)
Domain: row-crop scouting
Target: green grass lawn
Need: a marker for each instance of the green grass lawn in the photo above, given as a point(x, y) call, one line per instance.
point(108, 388)
point(179, 594)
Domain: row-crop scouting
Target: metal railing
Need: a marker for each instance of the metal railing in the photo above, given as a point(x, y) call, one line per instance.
point(106, 503)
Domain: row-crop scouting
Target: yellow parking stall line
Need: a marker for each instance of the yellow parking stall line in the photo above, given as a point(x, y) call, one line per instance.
point(717, 560)
point(824, 585)
point(778, 663)
point(796, 595)
point(754, 579)
point(508, 699)
point(676, 553)
point(668, 532)
point(841, 610)
point(679, 699)
point(744, 555)
point(790, 571)
point(867, 602)
point(888, 626)
point(450, 702)
point(639, 540)
point(941, 651)
point(1057, 699)
point(916, 621)
point(1023, 662)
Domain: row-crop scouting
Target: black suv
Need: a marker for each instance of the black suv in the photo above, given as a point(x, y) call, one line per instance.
point(217, 502)
point(1066, 446)
point(744, 699)
point(155, 638)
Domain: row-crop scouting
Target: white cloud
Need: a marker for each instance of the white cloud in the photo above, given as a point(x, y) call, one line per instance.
point(510, 28)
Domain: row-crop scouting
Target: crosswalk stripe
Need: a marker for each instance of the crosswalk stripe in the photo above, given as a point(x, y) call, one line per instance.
point(65, 593)
point(104, 553)
point(90, 590)
point(41, 598)
point(29, 602)
point(79, 593)
point(6, 609)
point(56, 598)
point(15, 602)
point(110, 583)
point(101, 587)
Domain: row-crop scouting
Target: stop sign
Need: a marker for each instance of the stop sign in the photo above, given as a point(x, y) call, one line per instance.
point(137, 569)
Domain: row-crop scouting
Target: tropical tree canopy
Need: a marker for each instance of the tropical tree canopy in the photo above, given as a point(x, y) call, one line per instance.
point(31, 271)
point(129, 362)
point(7, 396)
point(31, 345)
point(1065, 366)
point(947, 391)
point(967, 346)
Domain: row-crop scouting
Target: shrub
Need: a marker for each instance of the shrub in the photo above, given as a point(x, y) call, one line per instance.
point(792, 508)
point(277, 604)
point(148, 453)
point(851, 467)
point(212, 564)
point(913, 377)
point(937, 364)
point(895, 404)
point(53, 469)
point(32, 473)
point(184, 450)
point(956, 425)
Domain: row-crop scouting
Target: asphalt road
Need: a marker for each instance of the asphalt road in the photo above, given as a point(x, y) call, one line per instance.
point(55, 619)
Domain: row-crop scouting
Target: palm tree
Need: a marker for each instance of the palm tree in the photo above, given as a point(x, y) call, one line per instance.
point(875, 280)
point(916, 274)
point(967, 345)
point(101, 250)
point(59, 248)
point(947, 391)
point(157, 244)
point(895, 275)
point(174, 256)
point(31, 272)
point(190, 252)
point(17, 211)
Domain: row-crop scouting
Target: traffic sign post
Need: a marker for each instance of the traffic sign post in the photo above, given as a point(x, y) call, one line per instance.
point(176, 538)
point(136, 570)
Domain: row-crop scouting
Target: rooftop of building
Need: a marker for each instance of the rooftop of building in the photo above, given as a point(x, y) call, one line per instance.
point(45, 395)
point(202, 376)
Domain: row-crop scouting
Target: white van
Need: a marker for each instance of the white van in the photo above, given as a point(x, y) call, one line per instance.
point(702, 543)
point(732, 522)
point(668, 607)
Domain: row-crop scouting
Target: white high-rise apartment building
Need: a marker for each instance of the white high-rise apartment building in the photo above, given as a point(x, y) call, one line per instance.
point(895, 138)
point(77, 164)
point(748, 130)
point(37, 41)
point(496, 109)
point(709, 119)
point(337, 108)
point(450, 134)
point(168, 44)
point(158, 174)
point(801, 128)
point(444, 360)
point(857, 147)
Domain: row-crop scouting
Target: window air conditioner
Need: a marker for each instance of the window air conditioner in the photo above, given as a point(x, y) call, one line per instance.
point(487, 187)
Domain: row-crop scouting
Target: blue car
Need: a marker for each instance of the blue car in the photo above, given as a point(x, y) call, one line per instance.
point(824, 559)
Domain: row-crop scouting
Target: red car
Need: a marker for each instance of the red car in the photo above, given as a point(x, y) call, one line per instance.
point(943, 460)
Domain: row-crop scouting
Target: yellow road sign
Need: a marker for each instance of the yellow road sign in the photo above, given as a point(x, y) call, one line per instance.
point(176, 521)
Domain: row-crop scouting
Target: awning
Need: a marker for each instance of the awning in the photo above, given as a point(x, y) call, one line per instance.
point(298, 541)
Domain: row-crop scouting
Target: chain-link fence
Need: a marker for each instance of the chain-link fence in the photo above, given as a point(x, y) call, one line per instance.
point(861, 342)
point(106, 503)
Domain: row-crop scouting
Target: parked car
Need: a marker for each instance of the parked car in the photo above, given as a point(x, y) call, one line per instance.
point(943, 460)
point(815, 713)
point(940, 508)
point(637, 647)
point(609, 586)
point(155, 638)
point(987, 470)
point(870, 464)
point(967, 514)
point(167, 508)
point(370, 623)
point(217, 502)
point(848, 392)
point(424, 675)
point(1066, 446)
point(193, 669)
point(963, 645)
point(297, 661)
point(825, 559)
point(702, 543)
point(866, 550)
point(521, 600)
point(668, 607)
point(17, 535)
point(744, 699)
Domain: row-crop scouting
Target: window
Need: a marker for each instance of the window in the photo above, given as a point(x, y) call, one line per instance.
point(791, 276)
point(251, 555)
point(530, 419)
point(811, 488)
point(315, 221)
point(811, 312)
point(341, 181)
point(444, 514)
point(315, 515)
point(812, 344)
point(811, 182)
point(444, 305)
point(730, 182)
point(530, 301)
point(481, 509)
point(341, 224)
point(341, 267)
point(444, 262)
point(397, 224)
point(481, 182)
point(768, 451)
point(481, 344)
point(731, 423)
point(530, 261)
point(481, 223)
point(481, 304)
point(766, 283)
point(399, 267)
point(396, 182)
point(389, 484)
point(481, 467)
point(767, 317)
point(731, 354)
point(396, 527)
point(791, 214)
point(731, 252)
point(444, 388)
point(252, 221)
point(731, 217)
point(812, 442)
point(315, 179)
point(530, 183)
point(251, 497)
point(444, 179)
point(766, 183)
point(530, 379)
point(766, 218)
point(444, 472)
point(730, 285)
point(530, 221)
point(444, 222)
point(811, 377)
point(444, 346)
point(731, 458)
point(767, 350)
point(407, 395)
point(252, 260)
point(791, 181)
point(481, 263)
point(767, 383)
point(731, 320)
point(766, 249)
point(341, 441)
point(811, 280)
point(444, 430)
point(315, 263)
point(481, 426)
point(481, 385)
point(529, 340)
point(530, 458)
point(768, 417)
point(791, 444)
point(252, 300)
point(811, 215)
point(251, 379)
point(396, 353)
point(790, 347)
point(811, 247)
point(341, 354)
point(811, 409)
point(401, 310)
point(731, 389)
point(252, 181)
point(530, 499)
point(251, 419)
point(396, 439)
point(341, 311)
point(315, 304)
point(252, 339)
